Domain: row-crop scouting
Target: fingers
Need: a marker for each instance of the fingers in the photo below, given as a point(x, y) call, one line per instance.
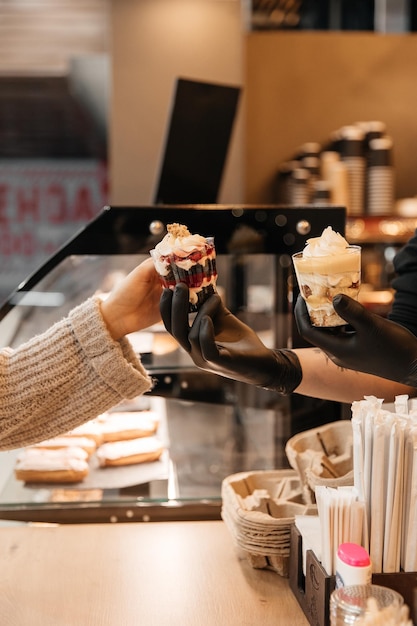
point(165, 305)
point(174, 312)
point(327, 339)
point(207, 338)
point(302, 317)
point(202, 335)
point(174, 309)
point(353, 312)
point(145, 272)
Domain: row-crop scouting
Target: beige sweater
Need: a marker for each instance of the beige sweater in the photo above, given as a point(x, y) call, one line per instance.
point(64, 377)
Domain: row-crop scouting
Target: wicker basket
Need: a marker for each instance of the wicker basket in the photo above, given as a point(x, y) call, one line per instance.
point(258, 509)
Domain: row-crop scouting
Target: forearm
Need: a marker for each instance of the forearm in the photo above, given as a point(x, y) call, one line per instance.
point(323, 379)
point(64, 377)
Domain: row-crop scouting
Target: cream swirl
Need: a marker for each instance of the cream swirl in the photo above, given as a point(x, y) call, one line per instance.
point(328, 244)
point(180, 246)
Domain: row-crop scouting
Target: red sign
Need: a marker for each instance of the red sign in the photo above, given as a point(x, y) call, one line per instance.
point(42, 204)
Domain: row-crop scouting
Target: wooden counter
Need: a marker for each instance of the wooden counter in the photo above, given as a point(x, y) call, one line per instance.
point(155, 574)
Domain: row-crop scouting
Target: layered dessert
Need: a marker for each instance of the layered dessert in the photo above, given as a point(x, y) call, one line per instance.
point(185, 258)
point(328, 265)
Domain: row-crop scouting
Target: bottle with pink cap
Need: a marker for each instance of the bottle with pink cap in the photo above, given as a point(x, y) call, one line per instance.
point(353, 565)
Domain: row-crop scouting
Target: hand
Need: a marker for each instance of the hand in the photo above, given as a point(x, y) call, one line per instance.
point(375, 345)
point(220, 343)
point(134, 303)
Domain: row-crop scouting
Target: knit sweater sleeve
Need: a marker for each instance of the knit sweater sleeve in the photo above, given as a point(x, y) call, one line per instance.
point(67, 375)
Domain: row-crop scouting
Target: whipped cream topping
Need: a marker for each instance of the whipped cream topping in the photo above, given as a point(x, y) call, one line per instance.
point(42, 459)
point(87, 429)
point(178, 241)
point(329, 243)
point(118, 421)
point(120, 449)
point(67, 442)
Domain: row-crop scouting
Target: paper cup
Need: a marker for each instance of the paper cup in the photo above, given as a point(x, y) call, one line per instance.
point(323, 277)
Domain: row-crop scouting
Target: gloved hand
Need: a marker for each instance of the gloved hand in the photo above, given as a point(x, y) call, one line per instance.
point(373, 345)
point(218, 342)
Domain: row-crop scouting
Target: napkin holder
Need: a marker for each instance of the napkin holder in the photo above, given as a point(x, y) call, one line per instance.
point(313, 589)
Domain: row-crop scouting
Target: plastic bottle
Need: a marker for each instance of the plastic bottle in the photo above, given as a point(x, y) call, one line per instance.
point(353, 565)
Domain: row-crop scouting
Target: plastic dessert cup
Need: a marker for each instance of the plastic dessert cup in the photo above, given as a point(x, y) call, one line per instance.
point(320, 278)
point(197, 269)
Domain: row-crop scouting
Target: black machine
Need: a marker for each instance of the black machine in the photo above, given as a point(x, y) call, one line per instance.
point(197, 142)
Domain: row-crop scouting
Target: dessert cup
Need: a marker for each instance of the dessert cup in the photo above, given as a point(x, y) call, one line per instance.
point(320, 278)
point(191, 260)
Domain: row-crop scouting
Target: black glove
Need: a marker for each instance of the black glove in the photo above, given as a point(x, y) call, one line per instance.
point(373, 344)
point(218, 342)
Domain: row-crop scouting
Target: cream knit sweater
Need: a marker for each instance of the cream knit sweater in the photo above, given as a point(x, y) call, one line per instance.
point(64, 377)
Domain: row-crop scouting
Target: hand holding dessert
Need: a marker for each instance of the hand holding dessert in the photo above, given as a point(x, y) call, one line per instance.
point(134, 304)
point(220, 343)
point(373, 345)
point(185, 258)
point(328, 265)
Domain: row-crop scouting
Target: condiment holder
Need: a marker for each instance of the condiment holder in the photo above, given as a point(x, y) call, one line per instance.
point(259, 509)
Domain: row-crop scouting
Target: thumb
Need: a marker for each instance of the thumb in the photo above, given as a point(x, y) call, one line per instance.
point(352, 312)
point(302, 317)
point(208, 344)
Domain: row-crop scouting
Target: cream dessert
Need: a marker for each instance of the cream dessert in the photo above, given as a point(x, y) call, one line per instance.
point(89, 429)
point(185, 258)
point(328, 265)
point(118, 426)
point(131, 452)
point(39, 465)
point(57, 443)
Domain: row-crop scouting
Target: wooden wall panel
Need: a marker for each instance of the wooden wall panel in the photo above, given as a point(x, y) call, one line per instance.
point(153, 43)
point(39, 37)
point(303, 86)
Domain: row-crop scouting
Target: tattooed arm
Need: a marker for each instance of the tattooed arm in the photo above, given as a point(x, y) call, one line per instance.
point(220, 343)
point(323, 379)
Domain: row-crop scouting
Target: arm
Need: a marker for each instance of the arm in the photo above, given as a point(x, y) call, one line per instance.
point(220, 343)
point(370, 344)
point(80, 367)
point(324, 379)
point(387, 348)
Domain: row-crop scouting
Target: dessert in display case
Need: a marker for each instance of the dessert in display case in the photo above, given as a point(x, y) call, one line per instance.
point(199, 427)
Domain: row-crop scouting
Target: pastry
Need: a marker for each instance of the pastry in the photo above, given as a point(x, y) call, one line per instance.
point(57, 443)
point(39, 465)
point(90, 429)
point(118, 426)
point(142, 450)
point(185, 258)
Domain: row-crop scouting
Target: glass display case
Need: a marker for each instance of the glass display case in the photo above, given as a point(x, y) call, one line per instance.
point(210, 427)
point(381, 238)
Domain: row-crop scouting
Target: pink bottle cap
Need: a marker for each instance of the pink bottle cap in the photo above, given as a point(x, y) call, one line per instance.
point(353, 554)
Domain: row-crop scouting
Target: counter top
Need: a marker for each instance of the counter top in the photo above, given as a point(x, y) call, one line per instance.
point(147, 574)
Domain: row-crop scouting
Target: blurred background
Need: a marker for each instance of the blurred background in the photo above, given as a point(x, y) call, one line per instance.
point(86, 90)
